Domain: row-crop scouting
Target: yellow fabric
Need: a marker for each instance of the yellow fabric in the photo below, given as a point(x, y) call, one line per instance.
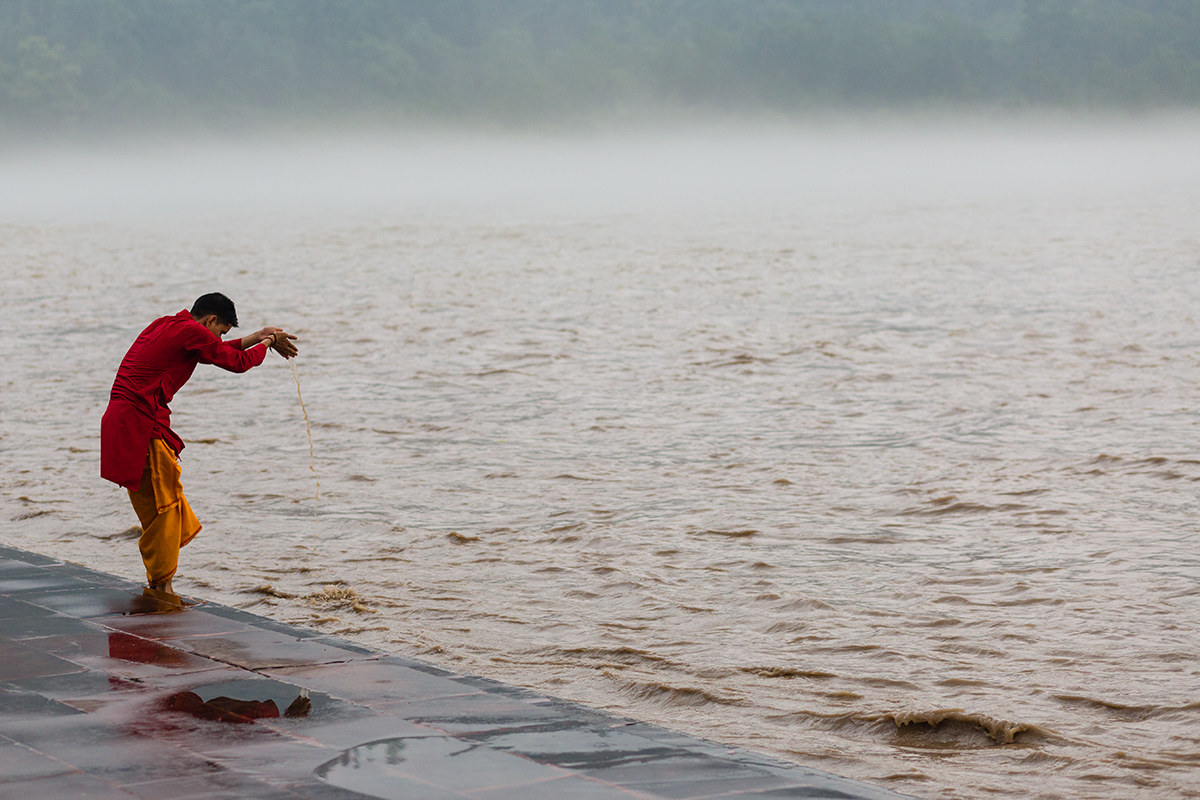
point(167, 520)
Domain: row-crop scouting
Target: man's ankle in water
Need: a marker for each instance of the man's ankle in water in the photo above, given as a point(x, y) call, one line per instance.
point(163, 586)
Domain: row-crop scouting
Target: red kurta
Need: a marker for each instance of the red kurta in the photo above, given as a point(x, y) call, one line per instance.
point(158, 363)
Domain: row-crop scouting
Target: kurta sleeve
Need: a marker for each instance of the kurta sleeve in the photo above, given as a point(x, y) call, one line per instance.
point(211, 350)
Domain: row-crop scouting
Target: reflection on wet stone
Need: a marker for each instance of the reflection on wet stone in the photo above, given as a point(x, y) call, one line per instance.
point(232, 709)
point(390, 768)
point(125, 647)
point(99, 601)
point(574, 747)
point(240, 702)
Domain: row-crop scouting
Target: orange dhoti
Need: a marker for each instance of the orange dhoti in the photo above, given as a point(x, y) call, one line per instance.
point(168, 522)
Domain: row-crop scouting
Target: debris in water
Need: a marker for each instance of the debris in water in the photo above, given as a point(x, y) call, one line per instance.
point(270, 590)
point(333, 596)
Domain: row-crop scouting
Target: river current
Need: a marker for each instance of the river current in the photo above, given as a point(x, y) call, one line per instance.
point(877, 454)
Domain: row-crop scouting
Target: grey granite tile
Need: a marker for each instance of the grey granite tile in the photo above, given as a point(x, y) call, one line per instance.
point(190, 621)
point(671, 767)
point(261, 649)
point(441, 761)
point(256, 621)
point(475, 713)
point(575, 745)
point(419, 665)
point(345, 644)
point(86, 683)
point(694, 744)
point(569, 788)
point(350, 731)
point(496, 687)
point(268, 756)
point(387, 787)
point(319, 790)
point(220, 785)
point(40, 581)
point(70, 784)
point(33, 622)
point(12, 609)
point(709, 789)
point(18, 703)
point(803, 793)
point(122, 760)
point(88, 575)
point(53, 734)
point(21, 662)
point(11, 567)
point(12, 553)
point(86, 602)
point(20, 763)
point(122, 654)
point(375, 681)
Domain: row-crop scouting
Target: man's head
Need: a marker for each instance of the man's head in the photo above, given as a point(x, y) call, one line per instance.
point(215, 311)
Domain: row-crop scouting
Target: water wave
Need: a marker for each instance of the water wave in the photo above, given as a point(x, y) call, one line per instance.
point(673, 696)
point(944, 727)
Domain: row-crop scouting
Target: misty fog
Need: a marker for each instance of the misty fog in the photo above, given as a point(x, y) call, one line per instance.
point(723, 166)
point(136, 109)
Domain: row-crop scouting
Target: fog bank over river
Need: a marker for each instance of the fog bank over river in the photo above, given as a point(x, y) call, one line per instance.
point(698, 167)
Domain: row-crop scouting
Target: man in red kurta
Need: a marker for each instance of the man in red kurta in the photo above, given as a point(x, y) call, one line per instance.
point(138, 449)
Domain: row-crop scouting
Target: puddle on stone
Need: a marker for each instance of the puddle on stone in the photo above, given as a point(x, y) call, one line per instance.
point(427, 766)
point(368, 768)
point(241, 702)
point(102, 601)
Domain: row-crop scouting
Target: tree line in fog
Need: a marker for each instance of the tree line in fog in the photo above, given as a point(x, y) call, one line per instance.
point(78, 66)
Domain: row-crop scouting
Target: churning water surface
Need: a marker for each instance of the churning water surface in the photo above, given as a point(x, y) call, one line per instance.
point(879, 454)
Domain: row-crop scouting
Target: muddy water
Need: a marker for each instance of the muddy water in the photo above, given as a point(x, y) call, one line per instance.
point(898, 484)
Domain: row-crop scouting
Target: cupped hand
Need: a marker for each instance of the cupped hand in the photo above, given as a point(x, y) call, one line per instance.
point(284, 343)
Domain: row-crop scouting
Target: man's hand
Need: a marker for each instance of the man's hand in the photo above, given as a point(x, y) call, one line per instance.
point(283, 344)
point(277, 339)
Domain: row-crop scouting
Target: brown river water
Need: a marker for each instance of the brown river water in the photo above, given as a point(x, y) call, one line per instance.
point(877, 453)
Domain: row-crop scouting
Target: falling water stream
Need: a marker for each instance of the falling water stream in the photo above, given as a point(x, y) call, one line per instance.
point(312, 462)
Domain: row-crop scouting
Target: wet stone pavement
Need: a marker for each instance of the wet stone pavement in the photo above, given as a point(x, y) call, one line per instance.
point(109, 691)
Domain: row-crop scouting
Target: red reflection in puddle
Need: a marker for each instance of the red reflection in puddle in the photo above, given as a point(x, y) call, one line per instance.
point(144, 651)
point(230, 709)
point(240, 701)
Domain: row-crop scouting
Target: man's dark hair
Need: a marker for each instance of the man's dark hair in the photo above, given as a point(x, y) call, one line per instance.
point(215, 303)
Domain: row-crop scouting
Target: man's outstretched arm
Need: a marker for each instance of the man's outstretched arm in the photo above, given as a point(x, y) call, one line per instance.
point(278, 340)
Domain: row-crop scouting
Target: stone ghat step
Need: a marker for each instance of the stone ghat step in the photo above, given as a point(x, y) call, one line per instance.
point(110, 690)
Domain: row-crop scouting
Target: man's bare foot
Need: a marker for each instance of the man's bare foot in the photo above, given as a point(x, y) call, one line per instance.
point(165, 593)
